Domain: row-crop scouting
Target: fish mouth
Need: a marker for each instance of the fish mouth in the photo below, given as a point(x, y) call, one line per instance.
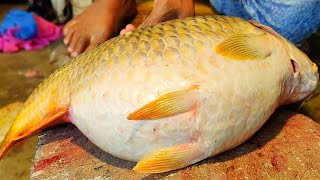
point(315, 71)
point(311, 94)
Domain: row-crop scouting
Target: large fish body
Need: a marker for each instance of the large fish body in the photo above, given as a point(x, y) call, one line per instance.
point(175, 93)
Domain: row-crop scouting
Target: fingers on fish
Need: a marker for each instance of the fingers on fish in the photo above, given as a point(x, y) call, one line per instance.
point(171, 158)
point(245, 47)
point(14, 135)
point(170, 104)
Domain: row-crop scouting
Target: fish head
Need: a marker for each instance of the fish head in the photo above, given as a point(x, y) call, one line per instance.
point(302, 82)
point(305, 74)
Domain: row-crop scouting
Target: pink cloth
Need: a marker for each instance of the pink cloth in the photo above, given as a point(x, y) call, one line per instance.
point(46, 33)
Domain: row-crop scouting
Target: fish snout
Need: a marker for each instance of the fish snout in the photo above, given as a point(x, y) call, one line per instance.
point(315, 70)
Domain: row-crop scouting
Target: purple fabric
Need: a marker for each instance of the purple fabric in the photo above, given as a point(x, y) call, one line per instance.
point(46, 33)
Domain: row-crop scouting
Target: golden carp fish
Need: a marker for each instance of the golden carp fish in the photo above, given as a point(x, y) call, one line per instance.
point(173, 94)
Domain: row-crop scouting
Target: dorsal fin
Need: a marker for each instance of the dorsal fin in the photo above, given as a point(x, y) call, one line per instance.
point(245, 47)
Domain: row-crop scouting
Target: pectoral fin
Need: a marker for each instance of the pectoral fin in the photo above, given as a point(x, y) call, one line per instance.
point(171, 158)
point(167, 105)
point(246, 47)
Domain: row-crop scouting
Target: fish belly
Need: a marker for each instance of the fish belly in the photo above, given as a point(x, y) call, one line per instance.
point(236, 98)
point(232, 108)
point(100, 112)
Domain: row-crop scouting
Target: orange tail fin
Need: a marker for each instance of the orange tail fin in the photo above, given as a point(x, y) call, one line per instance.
point(4, 147)
point(17, 133)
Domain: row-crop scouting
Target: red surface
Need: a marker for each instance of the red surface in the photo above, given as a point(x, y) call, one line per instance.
point(287, 147)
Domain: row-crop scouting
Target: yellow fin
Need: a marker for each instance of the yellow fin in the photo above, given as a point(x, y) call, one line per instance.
point(245, 47)
point(4, 147)
point(167, 105)
point(51, 118)
point(171, 158)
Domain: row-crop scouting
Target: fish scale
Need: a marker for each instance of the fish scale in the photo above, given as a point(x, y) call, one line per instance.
point(173, 94)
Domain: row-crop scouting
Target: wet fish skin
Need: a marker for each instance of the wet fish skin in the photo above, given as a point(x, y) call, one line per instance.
point(230, 95)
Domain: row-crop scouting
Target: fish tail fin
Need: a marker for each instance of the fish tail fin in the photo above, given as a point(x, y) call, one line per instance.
point(44, 108)
point(25, 127)
point(5, 145)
